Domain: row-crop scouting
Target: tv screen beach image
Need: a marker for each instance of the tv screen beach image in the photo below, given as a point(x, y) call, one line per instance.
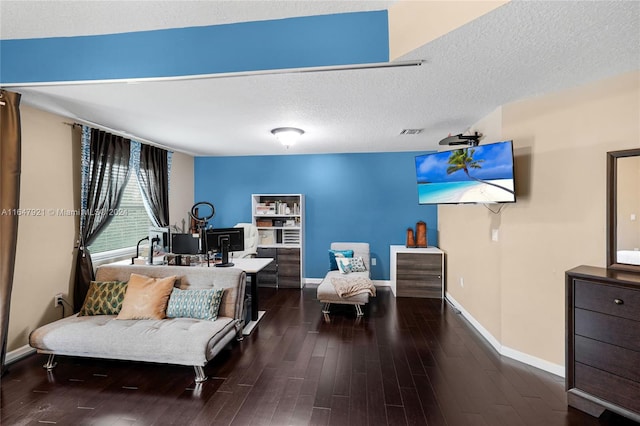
point(480, 174)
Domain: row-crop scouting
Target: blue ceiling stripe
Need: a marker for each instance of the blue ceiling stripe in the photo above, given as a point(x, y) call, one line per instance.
point(324, 40)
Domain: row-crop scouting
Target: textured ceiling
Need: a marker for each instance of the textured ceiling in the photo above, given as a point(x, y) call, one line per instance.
point(519, 50)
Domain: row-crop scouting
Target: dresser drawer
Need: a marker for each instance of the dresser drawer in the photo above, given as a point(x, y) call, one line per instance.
point(607, 386)
point(272, 268)
point(419, 275)
point(425, 264)
point(289, 267)
point(267, 279)
point(418, 289)
point(613, 359)
point(267, 252)
point(608, 299)
point(291, 255)
point(609, 329)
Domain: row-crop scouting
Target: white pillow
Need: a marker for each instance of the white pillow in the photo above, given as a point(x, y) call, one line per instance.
point(350, 264)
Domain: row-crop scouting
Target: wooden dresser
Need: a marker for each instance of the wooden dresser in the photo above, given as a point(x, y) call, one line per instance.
point(417, 272)
point(603, 341)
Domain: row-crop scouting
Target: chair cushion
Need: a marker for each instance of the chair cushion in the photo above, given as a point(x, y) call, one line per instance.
point(184, 341)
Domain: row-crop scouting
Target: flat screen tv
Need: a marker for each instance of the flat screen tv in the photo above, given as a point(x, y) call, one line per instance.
point(474, 174)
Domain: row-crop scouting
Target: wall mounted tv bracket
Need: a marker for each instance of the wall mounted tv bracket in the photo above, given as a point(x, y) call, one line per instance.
point(470, 140)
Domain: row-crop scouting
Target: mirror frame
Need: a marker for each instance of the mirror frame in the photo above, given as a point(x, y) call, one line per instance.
point(612, 200)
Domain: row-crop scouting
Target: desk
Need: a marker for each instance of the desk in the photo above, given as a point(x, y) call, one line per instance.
point(251, 266)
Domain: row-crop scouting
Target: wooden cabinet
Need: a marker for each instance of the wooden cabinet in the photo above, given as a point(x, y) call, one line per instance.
point(289, 268)
point(603, 341)
point(284, 271)
point(280, 222)
point(268, 276)
point(417, 272)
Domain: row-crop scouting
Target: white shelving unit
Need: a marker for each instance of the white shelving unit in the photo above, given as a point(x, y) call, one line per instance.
point(280, 222)
point(279, 219)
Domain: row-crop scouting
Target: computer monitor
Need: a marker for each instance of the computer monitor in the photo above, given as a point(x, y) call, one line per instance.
point(223, 240)
point(185, 243)
point(158, 243)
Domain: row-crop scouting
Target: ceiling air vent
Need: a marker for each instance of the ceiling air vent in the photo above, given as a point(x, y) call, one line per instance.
point(411, 131)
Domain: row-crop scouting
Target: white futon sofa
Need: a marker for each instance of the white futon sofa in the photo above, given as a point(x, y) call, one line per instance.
point(182, 341)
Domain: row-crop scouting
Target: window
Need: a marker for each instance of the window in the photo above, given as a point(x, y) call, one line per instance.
point(130, 222)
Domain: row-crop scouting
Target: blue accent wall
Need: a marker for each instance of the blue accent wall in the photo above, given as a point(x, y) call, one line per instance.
point(310, 41)
point(370, 197)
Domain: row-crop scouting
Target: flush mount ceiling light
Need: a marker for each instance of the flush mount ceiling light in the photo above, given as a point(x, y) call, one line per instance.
point(287, 135)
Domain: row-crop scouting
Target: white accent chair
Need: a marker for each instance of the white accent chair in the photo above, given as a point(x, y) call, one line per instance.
point(251, 239)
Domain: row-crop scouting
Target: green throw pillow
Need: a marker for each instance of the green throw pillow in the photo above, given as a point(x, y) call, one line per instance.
point(197, 303)
point(103, 298)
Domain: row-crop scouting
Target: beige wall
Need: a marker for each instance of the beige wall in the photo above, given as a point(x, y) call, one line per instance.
point(413, 23)
point(478, 262)
point(44, 259)
point(514, 287)
point(181, 189)
point(45, 250)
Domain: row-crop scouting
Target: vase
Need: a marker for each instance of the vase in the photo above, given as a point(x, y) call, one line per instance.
point(411, 242)
point(421, 234)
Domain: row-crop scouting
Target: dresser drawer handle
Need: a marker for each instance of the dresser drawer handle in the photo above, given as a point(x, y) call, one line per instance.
point(618, 301)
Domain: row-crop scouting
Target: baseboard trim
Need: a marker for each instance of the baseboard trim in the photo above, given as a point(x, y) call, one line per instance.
point(525, 358)
point(18, 354)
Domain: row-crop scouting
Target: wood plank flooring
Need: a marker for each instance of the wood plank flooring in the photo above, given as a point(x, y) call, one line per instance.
point(407, 362)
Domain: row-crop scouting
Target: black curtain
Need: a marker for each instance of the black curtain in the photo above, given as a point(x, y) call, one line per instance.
point(153, 177)
point(10, 157)
point(108, 171)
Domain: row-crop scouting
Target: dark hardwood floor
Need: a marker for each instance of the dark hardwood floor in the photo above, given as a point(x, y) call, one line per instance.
point(408, 362)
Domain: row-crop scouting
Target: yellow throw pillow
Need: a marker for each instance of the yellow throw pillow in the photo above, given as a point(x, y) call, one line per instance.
point(146, 297)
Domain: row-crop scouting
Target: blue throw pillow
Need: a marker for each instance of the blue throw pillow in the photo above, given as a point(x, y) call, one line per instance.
point(197, 303)
point(333, 266)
